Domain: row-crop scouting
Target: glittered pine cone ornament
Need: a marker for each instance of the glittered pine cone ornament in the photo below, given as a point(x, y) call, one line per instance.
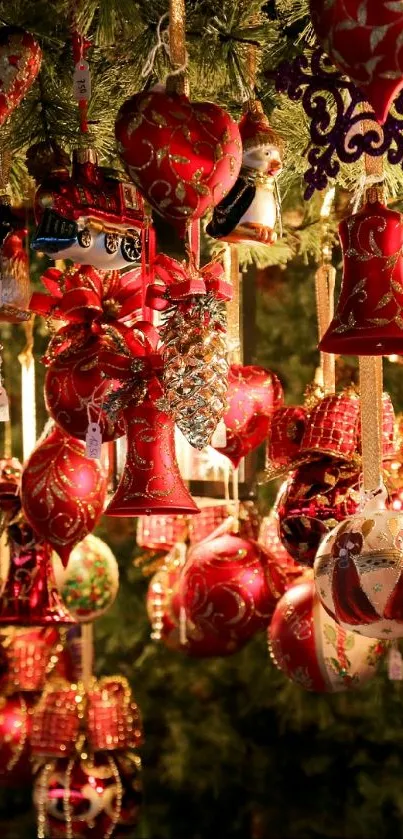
point(368, 318)
point(89, 584)
point(358, 571)
point(230, 586)
point(333, 426)
point(317, 496)
point(15, 730)
point(248, 213)
point(62, 491)
point(183, 156)
point(89, 797)
point(253, 395)
point(312, 650)
point(195, 366)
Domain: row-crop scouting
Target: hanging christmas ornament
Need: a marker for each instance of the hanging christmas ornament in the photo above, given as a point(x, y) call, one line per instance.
point(253, 394)
point(287, 429)
point(313, 651)
point(30, 655)
point(91, 217)
point(270, 540)
point(316, 497)
point(62, 491)
point(15, 289)
point(358, 571)
point(92, 797)
point(183, 156)
point(89, 584)
point(363, 40)
point(230, 586)
point(333, 427)
point(248, 213)
point(151, 481)
point(368, 318)
point(20, 56)
point(15, 728)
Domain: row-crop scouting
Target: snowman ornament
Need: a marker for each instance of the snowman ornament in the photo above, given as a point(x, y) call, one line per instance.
point(248, 214)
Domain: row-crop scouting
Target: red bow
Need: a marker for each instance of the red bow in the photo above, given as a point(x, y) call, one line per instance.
point(176, 281)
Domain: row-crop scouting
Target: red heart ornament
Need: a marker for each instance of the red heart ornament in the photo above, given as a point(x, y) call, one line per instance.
point(183, 156)
point(253, 394)
point(364, 39)
point(20, 60)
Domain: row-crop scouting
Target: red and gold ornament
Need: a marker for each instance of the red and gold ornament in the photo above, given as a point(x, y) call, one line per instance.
point(253, 395)
point(15, 729)
point(20, 60)
point(29, 656)
point(312, 650)
point(183, 156)
point(62, 492)
point(364, 39)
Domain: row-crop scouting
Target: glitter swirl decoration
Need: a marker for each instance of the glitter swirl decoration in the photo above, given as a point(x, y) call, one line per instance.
point(62, 491)
point(183, 156)
point(20, 61)
point(335, 126)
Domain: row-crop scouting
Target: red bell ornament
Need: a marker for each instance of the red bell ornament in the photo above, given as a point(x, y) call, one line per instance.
point(151, 481)
point(369, 313)
point(63, 492)
point(183, 156)
point(15, 729)
point(20, 58)
point(75, 390)
point(364, 40)
point(253, 394)
point(358, 572)
point(229, 586)
point(333, 426)
point(313, 651)
point(92, 797)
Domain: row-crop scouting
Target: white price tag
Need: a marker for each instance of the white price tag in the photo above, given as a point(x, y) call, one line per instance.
point(395, 665)
point(82, 81)
point(219, 438)
point(4, 407)
point(93, 441)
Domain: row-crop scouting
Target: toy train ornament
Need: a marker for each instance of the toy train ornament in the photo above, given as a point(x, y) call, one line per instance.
point(89, 217)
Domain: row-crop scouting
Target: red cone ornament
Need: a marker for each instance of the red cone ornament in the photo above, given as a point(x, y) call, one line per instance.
point(92, 797)
point(75, 390)
point(151, 481)
point(358, 572)
point(15, 728)
point(20, 60)
point(313, 651)
point(229, 586)
point(364, 40)
point(369, 313)
point(183, 156)
point(63, 492)
point(253, 394)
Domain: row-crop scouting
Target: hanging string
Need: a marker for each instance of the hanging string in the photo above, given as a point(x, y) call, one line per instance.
point(235, 497)
point(164, 43)
point(28, 396)
point(325, 278)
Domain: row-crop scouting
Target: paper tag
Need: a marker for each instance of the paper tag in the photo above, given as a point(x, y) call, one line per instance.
point(82, 81)
point(4, 408)
point(93, 441)
point(219, 438)
point(395, 665)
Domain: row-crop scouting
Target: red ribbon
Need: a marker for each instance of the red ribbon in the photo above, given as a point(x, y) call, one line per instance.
point(176, 282)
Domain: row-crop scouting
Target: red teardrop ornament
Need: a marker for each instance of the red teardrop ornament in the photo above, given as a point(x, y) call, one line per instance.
point(20, 60)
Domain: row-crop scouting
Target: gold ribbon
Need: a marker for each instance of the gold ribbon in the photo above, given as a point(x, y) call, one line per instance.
point(177, 46)
point(324, 285)
point(233, 276)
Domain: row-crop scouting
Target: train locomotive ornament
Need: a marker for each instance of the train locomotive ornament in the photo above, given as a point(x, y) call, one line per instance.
point(90, 217)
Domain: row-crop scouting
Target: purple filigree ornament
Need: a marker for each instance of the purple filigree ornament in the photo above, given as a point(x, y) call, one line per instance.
point(337, 112)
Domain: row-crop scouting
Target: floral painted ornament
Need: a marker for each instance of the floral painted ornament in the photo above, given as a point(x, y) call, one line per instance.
point(358, 572)
point(312, 650)
point(183, 156)
point(364, 39)
point(20, 60)
point(89, 584)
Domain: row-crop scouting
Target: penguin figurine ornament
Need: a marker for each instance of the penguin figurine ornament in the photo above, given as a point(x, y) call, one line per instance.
point(248, 214)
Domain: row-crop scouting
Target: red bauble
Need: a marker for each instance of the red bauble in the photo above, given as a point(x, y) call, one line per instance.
point(316, 497)
point(75, 390)
point(92, 798)
point(313, 651)
point(15, 727)
point(63, 492)
point(184, 156)
point(20, 57)
point(229, 586)
point(151, 481)
point(364, 40)
point(368, 318)
point(253, 394)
